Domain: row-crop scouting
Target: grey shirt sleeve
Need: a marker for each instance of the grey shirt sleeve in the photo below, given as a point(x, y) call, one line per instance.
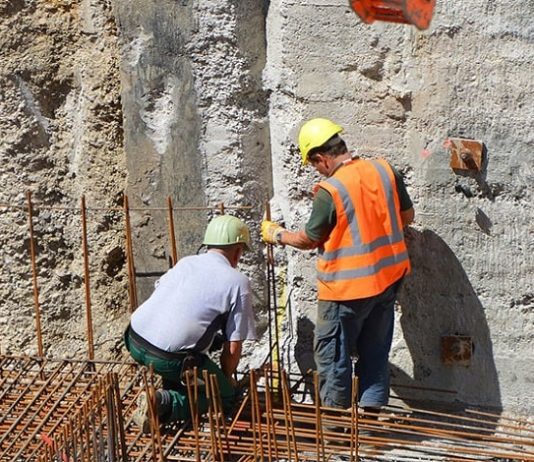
point(240, 324)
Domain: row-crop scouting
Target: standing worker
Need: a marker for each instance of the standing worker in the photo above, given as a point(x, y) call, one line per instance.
point(175, 328)
point(357, 221)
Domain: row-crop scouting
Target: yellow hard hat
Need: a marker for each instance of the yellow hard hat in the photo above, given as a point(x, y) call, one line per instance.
point(314, 133)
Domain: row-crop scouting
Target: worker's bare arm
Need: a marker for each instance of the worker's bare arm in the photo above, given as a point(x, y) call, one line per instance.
point(230, 356)
point(407, 216)
point(298, 239)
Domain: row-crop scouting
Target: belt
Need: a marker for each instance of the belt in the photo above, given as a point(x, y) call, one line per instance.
point(140, 342)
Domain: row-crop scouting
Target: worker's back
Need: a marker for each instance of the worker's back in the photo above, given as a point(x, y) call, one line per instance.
point(192, 301)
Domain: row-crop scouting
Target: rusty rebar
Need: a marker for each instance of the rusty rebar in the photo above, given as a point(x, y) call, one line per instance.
point(318, 420)
point(87, 284)
point(272, 304)
point(214, 443)
point(256, 409)
point(288, 411)
point(172, 234)
point(192, 397)
point(354, 436)
point(221, 419)
point(39, 206)
point(84, 398)
point(132, 285)
point(34, 278)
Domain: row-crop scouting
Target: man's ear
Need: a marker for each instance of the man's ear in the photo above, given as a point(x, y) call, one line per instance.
point(317, 157)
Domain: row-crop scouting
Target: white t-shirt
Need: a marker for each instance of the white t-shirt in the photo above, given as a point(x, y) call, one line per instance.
point(190, 303)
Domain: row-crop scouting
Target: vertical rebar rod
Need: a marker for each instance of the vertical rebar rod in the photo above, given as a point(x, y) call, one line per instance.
point(221, 208)
point(155, 416)
point(207, 387)
point(120, 417)
point(253, 413)
point(318, 420)
point(354, 421)
point(287, 422)
point(132, 286)
point(287, 399)
point(87, 429)
point(193, 407)
point(34, 279)
point(153, 428)
point(71, 443)
point(87, 284)
point(172, 234)
point(95, 431)
point(268, 418)
point(269, 312)
point(273, 302)
point(221, 424)
point(271, 428)
point(112, 423)
point(63, 444)
point(256, 401)
point(100, 416)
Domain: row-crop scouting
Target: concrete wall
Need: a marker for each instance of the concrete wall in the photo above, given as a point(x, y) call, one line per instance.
point(196, 126)
point(201, 102)
point(401, 94)
point(60, 138)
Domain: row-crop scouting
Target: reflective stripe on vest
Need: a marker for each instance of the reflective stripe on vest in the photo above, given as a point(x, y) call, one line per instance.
point(362, 269)
point(360, 248)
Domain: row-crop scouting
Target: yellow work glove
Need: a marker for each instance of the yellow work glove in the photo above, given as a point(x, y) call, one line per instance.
point(271, 231)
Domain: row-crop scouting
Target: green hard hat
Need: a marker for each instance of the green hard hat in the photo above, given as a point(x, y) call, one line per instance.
point(227, 230)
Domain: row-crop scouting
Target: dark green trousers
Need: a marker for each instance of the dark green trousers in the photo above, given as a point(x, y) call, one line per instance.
point(171, 371)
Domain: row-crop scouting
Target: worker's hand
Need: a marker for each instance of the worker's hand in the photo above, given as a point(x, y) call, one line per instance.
point(271, 231)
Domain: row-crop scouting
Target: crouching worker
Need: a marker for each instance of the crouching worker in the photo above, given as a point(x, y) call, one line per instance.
point(175, 328)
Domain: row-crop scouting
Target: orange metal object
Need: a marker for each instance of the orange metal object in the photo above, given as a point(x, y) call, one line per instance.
point(416, 12)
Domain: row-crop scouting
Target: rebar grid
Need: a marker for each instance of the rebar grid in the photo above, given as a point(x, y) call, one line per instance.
point(69, 411)
point(271, 427)
point(31, 208)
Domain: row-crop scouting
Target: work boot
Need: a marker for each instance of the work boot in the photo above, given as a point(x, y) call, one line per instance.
point(366, 434)
point(141, 415)
point(336, 436)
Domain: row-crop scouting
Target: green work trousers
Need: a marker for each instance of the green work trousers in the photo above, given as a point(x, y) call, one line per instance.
point(171, 372)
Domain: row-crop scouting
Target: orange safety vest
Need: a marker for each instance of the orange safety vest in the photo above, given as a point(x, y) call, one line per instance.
point(365, 252)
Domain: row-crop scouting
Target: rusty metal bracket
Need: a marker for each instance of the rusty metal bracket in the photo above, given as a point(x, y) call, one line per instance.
point(466, 154)
point(456, 350)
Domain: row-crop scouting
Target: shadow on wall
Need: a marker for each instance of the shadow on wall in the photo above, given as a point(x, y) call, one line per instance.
point(437, 300)
point(304, 353)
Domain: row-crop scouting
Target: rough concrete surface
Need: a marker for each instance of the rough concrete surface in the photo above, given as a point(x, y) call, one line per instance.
point(201, 102)
point(401, 94)
point(60, 138)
